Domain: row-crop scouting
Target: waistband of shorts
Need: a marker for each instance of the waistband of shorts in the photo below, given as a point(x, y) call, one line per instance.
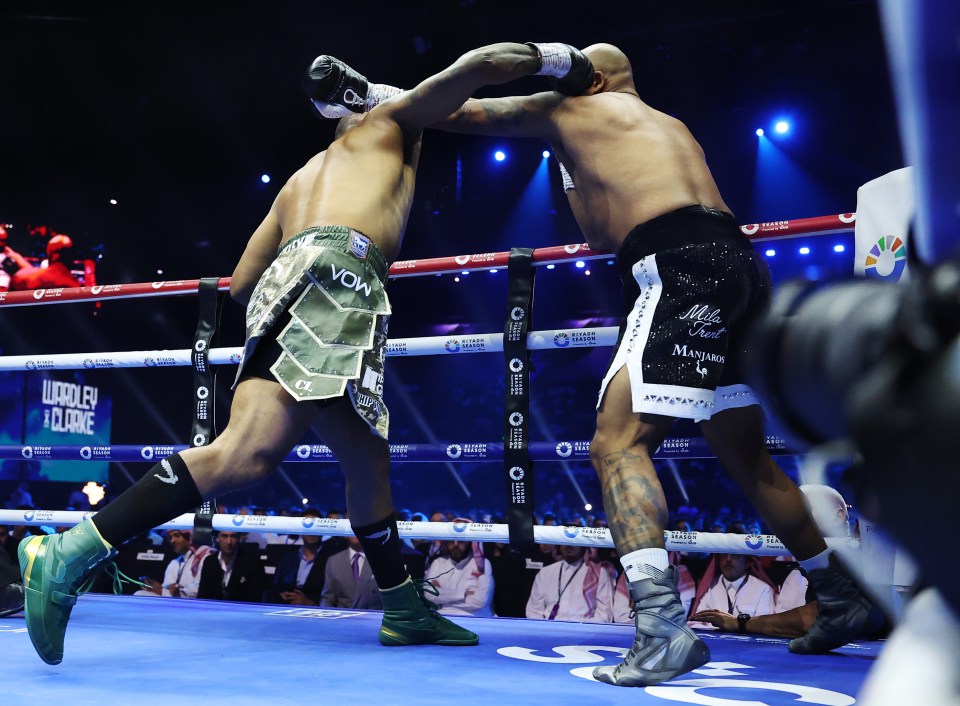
point(663, 232)
point(341, 238)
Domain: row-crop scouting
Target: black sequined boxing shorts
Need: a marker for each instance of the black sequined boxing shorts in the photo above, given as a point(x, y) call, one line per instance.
point(691, 281)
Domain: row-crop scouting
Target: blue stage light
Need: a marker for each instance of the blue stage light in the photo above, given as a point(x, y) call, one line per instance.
point(759, 132)
point(581, 263)
point(782, 127)
point(265, 178)
point(499, 155)
point(493, 271)
point(546, 154)
point(770, 253)
point(838, 248)
point(550, 267)
point(804, 250)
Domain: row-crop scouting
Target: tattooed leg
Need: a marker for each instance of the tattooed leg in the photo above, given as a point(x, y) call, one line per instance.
point(634, 502)
point(620, 453)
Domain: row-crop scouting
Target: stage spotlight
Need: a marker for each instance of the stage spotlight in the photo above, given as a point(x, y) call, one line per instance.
point(838, 248)
point(759, 132)
point(499, 155)
point(546, 154)
point(550, 267)
point(493, 271)
point(770, 253)
point(804, 250)
point(782, 127)
point(581, 264)
point(265, 178)
point(588, 507)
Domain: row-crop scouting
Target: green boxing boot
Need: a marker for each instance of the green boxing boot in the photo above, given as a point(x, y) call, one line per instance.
point(411, 619)
point(53, 568)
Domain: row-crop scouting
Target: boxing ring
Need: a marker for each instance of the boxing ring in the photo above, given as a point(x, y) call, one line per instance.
point(120, 649)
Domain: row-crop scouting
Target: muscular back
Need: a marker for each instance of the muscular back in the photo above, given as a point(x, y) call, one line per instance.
point(629, 162)
point(364, 180)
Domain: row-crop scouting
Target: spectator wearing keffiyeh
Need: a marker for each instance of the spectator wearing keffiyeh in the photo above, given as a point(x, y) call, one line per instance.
point(735, 584)
point(577, 588)
point(182, 577)
point(463, 577)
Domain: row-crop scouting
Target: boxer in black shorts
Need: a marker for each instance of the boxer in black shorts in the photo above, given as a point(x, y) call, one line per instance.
point(691, 280)
point(638, 184)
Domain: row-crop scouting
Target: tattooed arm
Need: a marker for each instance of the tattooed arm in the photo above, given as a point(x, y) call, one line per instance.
point(516, 116)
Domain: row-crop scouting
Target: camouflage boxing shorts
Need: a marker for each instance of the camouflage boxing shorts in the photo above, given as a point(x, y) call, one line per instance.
point(320, 314)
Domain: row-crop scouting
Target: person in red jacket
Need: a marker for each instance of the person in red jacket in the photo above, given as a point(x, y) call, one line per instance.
point(55, 274)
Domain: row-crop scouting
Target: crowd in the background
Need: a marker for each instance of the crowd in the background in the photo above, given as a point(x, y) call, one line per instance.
point(548, 582)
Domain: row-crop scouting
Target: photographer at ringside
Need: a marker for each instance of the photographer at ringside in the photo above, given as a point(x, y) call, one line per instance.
point(877, 365)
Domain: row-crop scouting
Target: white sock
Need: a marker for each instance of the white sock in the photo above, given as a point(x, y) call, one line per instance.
point(820, 561)
point(645, 563)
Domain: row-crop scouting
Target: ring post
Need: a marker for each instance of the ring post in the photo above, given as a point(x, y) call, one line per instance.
point(516, 456)
point(203, 430)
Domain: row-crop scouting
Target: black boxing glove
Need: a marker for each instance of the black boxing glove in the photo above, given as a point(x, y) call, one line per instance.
point(9, 265)
point(337, 90)
point(571, 69)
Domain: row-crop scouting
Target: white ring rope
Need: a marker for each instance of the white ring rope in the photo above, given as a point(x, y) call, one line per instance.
point(756, 544)
point(402, 347)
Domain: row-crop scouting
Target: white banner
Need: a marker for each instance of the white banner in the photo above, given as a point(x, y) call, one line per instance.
point(885, 208)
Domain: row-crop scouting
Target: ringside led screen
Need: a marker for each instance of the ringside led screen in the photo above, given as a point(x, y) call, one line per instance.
point(65, 408)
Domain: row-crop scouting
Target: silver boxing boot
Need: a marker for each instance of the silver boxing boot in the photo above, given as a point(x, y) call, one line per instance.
point(663, 647)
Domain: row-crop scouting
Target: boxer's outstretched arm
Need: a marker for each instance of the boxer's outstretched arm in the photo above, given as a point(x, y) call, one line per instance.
point(515, 116)
point(435, 98)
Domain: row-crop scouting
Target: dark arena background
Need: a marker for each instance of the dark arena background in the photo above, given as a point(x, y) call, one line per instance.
point(157, 135)
point(176, 111)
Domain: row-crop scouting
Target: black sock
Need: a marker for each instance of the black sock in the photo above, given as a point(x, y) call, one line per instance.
point(381, 546)
point(166, 491)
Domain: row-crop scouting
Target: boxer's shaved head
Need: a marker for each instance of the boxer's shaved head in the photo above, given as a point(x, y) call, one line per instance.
point(612, 63)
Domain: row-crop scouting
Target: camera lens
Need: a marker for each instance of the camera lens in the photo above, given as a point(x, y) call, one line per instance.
point(812, 347)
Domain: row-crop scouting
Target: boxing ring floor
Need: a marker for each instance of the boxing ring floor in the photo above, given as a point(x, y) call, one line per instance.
point(125, 649)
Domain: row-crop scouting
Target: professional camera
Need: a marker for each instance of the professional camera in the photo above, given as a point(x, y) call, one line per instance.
point(877, 364)
point(868, 360)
